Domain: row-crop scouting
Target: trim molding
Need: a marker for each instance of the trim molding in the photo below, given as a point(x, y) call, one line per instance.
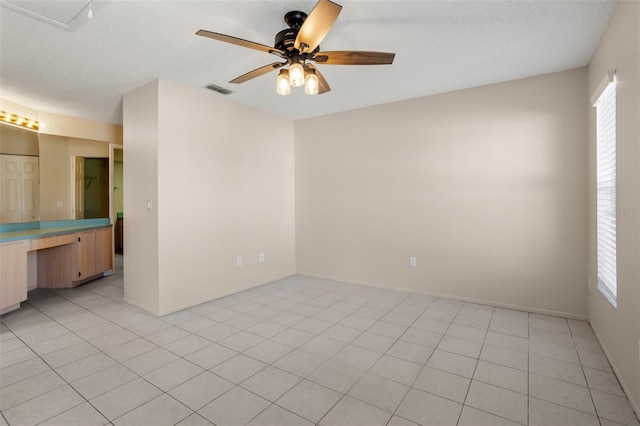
point(459, 298)
point(140, 306)
point(218, 296)
point(625, 388)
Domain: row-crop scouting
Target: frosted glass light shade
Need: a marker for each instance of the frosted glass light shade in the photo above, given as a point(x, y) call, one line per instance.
point(311, 82)
point(282, 83)
point(296, 74)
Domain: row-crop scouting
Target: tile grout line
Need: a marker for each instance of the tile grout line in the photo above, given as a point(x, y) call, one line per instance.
point(68, 383)
point(425, 364)
point(386, 310)
point(593, 402)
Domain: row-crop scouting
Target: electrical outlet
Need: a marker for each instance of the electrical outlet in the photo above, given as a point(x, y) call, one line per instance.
point(261, 257)
point(412, 262)
point(239, 261)
point(59, 204)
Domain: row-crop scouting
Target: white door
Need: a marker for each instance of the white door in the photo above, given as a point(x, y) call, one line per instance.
point(19, 182)
point(30, 183)
point(113, 149)
point(11, 189)
point(78, 167)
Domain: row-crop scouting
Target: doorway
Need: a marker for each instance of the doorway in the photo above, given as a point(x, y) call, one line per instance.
point(90, 187)
point(96, 188)
point(116, 209)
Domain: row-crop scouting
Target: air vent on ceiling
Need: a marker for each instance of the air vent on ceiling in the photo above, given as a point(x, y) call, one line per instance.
point(218, 89)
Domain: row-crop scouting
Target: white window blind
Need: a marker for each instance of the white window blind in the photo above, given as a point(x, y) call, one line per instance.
point(606, 199)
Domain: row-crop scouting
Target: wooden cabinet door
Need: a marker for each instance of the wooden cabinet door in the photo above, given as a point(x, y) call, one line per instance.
point(86, 254)
point(103, 250)
point(13, 273)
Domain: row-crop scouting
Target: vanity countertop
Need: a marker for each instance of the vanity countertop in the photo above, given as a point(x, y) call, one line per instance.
point(32, 230)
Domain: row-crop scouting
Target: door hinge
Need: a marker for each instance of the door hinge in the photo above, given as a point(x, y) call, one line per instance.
point(79, 239)
point(79, 274)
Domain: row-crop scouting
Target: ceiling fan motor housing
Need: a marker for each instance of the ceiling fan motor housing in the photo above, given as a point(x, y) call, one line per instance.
point(285, 39)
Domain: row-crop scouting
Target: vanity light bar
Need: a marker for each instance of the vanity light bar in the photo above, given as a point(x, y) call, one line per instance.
point(18, 120)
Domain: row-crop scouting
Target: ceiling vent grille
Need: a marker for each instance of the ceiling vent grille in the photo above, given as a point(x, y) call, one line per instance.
point(218, 89)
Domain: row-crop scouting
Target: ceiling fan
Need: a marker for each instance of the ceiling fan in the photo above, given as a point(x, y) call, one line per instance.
point(298, 46)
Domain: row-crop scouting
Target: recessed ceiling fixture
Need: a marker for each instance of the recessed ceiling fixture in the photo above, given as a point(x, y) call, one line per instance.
point(20, 121)
point(298, 46)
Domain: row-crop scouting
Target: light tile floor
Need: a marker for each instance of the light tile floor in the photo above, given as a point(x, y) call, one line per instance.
point(299, 351)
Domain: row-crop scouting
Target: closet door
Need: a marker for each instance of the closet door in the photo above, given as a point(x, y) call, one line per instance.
point(19, 194)
point(10, 189)
point(30, 197)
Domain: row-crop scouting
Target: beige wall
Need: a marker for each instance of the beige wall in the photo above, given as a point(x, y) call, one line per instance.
point(18, 141)
point(55, 178)
point(619, 329)
point(60, 125)
point(16, 108)
point(63, 125)
point(118, 183)
point(225, 188)
point(140, 120)
point(486, 187)
point(55, 171)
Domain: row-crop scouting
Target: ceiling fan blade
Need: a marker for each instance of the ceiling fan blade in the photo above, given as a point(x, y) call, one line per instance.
point(323, 86)
point(241, 42)
point(345, 57)
point(317, 25)
point(257, 72)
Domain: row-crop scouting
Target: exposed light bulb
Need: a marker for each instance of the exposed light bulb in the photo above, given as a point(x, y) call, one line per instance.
point(282, 83)
point(17, 120)
point(296, 74)
point(311, 82)
point(90, 14)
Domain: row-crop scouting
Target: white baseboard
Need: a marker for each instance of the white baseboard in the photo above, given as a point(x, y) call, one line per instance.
point(140, 306)
point(160, 313)
point(459, 298)
point(616, 371)
point(218, 296)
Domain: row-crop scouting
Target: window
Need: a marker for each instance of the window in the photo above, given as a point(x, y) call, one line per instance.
point(606, 187)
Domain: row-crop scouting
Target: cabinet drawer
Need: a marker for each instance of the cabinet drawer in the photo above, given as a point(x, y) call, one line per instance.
point(48, 242)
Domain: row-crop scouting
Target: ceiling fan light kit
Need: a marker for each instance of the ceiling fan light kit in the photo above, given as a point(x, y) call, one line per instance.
point(283, 86)
point(310, 82)
point(298, 46)
point(296, 74)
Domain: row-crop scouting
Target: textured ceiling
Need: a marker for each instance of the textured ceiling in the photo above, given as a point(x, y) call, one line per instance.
point(440, 46)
